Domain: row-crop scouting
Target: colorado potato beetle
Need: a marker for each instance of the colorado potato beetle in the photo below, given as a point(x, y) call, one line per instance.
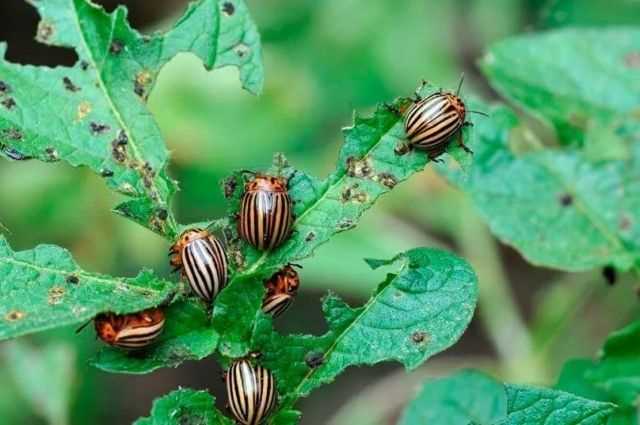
point(282, 288)
point(431, 122)
point(131, 331)
point(201, 258)
point(251, 391)
point(266, 217)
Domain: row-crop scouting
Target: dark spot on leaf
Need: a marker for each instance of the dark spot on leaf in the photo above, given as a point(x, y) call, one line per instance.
point(9, 103)
point(116, 47)
point(163, 214)
point(98, 128)
point(84, 65)
point(402, 149)
point(45, 31)
point(359, 168)
point(68, 85)
point(624, 222)
point(12, 134)
point(610, 274)
point(387, 180)
point(4, 88)
point(14, 153)
point(229, 186)
point(313, 359)
point(632, 60)
point(565, 199)
point(105, 172)
point(228, 8)
point(14, 315)
point(419, 337)
point(241, 50)
point(72, 279)
point(118, 150)
point(346, 224)
point(310, 236)
point(122, 138)
point(52, 154)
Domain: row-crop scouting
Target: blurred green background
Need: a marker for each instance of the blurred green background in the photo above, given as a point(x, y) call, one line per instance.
point(323, 60)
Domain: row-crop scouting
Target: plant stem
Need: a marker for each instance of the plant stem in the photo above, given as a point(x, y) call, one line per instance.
point(498, 311)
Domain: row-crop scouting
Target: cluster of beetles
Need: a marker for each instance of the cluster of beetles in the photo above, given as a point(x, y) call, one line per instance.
point(265, 221)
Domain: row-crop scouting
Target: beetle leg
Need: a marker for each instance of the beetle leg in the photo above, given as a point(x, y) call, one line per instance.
point(462, 145)
point(467, 124)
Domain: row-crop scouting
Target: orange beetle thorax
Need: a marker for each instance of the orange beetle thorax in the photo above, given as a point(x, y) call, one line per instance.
point(457, 104)
point(185, 238)
point(267, 184)
point(286, 281)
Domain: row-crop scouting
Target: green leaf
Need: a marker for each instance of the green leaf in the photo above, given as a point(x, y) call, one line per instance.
point(533, 406)
point(94, 114)
point(586, 77)
point(556, 207)
point(589, 13)
point(44, 376)
point(367, 168)
point(43, 288)
point(185, 406)
point(618, 370)
point(468, 396)
point(188, 335)
point(414, 314)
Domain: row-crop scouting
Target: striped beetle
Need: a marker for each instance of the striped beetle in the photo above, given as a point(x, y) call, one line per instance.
point(202, 260)
point(131, 331)
point(431, 122)
point(282, 288)
point(266, 216)
point(251, 391)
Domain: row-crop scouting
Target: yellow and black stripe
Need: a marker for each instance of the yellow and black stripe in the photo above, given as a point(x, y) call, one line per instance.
point(431, 122)
point(276, 304)
point(251, 391)
point(205, 265)
point(265, 218)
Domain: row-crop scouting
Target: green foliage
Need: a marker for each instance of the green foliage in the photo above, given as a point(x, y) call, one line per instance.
point(44, 377)
point(185, 406)
point(473, 398)
point(94, 114)
point(414, 314)
point(43, 288)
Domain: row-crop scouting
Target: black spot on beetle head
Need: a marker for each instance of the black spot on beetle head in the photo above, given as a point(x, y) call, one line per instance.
point(565, 199)
point(228, 8)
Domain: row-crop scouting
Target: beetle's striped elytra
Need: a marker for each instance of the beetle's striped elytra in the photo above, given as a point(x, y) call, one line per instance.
point(201, 258)
point(266, 215)
point(282, 288)
point(431, 123)
point(131, 331)
point(251, 391)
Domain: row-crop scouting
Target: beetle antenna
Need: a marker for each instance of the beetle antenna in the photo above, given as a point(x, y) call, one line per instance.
point(296, 265)
point(460, 84)
point(249, 172)
point(83, 326)
point(481, 113)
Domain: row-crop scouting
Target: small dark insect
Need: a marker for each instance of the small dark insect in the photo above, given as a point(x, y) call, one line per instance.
point(131, 331)
point(4, 88)
point(73, 279)
point(282, 288)
point(163, 214)
point(14, 154)
point(122, 138)
point(84, 65)
point(9, 103)
point(116, 47)
point(251, 391)
point(201, 258)
point(610, 274)
point(68, 85)
point(431, 122)
point(265, 213)
point(314, 359)
point(566, 199)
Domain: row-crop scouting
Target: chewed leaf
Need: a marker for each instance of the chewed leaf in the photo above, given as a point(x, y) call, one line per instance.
point(43, 288)
point(94, 114)
point(413, 315)
point(185, 406)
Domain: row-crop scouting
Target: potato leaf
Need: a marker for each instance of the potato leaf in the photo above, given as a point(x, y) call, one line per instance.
point(185, 406)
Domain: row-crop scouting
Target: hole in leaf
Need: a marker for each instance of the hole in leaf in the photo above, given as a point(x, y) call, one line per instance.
point(610, 275)
point(19, 31)
point(565, 199)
